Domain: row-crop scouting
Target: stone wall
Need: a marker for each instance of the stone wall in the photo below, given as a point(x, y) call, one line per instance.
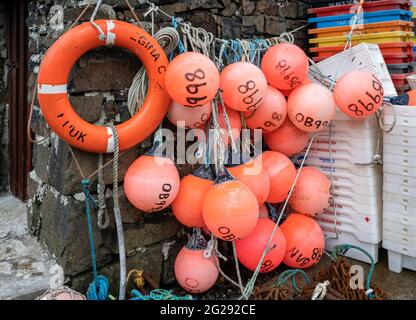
point(98, 88)
point(4, 110)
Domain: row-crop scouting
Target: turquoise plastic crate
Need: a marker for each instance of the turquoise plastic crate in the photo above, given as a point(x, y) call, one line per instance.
point(368, 17)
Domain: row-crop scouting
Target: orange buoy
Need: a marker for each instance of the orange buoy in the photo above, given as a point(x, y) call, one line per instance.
point(312, 192)
point(194, 272)
point(271, 113)
point(287, 139)
point(250, 249)
point(187, 206)
point(235, 123)
point(188, 118)
point(412, 97)
point(243, 86)
point(285, 66)
point(305, 242)
point(254, 176)
point(311, 107)
point(192, 79)
point(230, 209)
point(282, 174)
point(263, 211)
point(359, 94)
point(151, 183)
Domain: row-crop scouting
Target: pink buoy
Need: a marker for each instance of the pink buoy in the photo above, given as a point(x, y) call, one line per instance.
point(285, 66)
point(194, 272)
point(243, 86)
point(271, 113)
point(303, 199)
point(188, 118)
point(192, 79)
point(311, 107)
point(151, 183)
point(287, 139)
point(282, 174)
point(251, 248)
point(305, 244)
point(359, 94)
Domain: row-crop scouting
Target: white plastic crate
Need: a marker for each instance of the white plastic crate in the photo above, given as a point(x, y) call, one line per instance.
point(400, 149)
point(401, 218)
point(399, 140)
point(405, 117)
point(354, 145)
point(400, 189)
point(344, 176)
point(350, 165)
point(404, 199)
point(404, 239)
point(398, 261)
point(353, 155)
point(399, 169)
point(364, 56)
point(400, 248)
point(395, 226)
point(399, 208)
point(367, 232)
point(345, 237)
point(398, 179)
point(403, 161)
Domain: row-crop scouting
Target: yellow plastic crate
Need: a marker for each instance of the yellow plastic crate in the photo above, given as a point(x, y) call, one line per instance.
point(413, 9)
point(381, 37)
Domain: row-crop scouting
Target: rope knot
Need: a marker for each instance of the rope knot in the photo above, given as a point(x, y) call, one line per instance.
point(98, 289)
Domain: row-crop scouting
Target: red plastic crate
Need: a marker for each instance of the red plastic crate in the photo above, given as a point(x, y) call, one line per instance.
point(400, 79)
point(394, 58)
point(367, 7)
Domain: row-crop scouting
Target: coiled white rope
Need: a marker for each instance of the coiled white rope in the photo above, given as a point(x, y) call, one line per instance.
point(168, 38)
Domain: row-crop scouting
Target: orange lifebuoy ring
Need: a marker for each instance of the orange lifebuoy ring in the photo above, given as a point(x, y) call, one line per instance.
point(54, 73)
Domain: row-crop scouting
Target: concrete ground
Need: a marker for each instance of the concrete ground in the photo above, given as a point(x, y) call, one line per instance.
point(26, 269)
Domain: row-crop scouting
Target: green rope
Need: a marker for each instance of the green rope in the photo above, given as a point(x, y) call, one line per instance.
point(342, 250)
point(158, 294)
point(291, 274)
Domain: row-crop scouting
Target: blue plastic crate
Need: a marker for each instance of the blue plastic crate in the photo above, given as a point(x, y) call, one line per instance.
point(368, 17)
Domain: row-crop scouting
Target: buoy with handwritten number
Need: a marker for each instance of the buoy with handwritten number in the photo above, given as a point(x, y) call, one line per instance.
point(304, 241)
point(251, 248)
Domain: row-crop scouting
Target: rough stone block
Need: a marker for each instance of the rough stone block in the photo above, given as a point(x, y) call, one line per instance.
point(64, 231)
point(248, 6)
point(65, 176)
point(117, 70)
point(149, 259)
point(267, 6)
point(136, 237)
point(274, 25)
point(254, 21)
point(289, 10)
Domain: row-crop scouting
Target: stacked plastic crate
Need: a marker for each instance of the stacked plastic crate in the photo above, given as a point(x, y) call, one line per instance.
point(399, 188)
point(387, 23)
point(346, 153)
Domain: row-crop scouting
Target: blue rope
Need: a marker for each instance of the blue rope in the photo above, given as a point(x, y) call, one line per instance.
point(98, 288)
point(181, 46)
point(159, 294)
